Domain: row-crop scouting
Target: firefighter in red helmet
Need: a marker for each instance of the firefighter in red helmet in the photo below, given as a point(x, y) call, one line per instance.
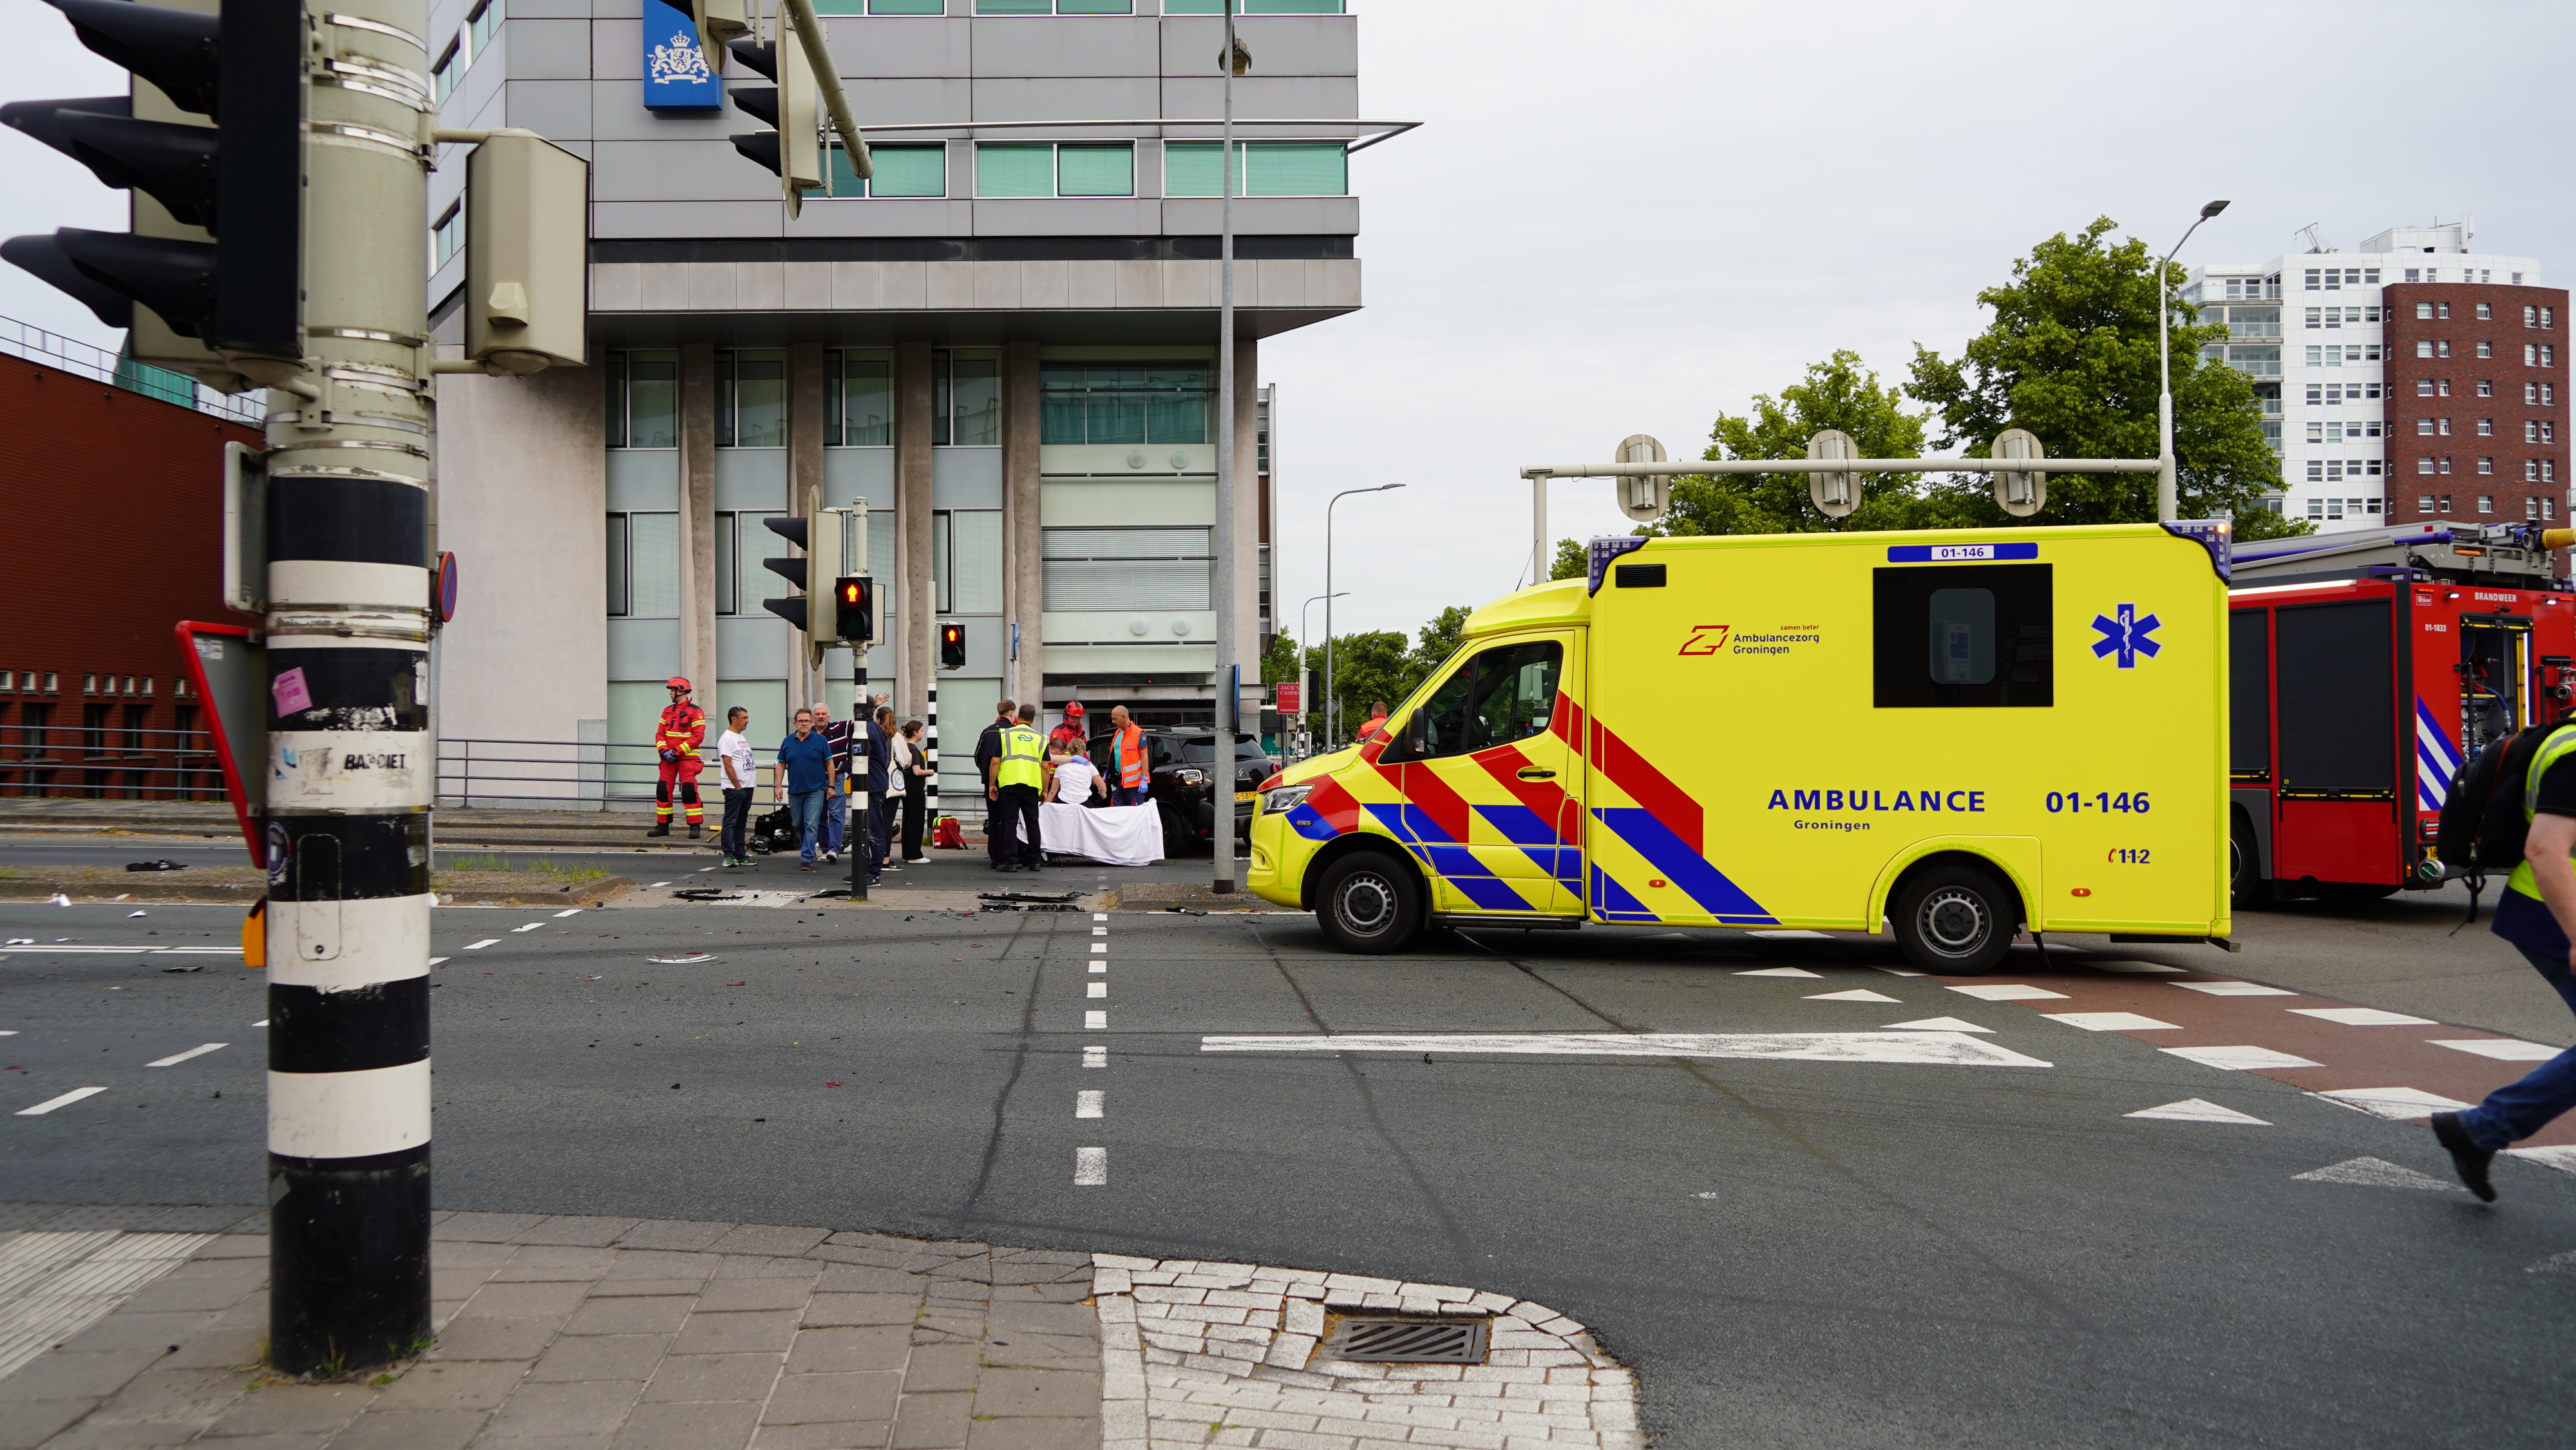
point(676, 739)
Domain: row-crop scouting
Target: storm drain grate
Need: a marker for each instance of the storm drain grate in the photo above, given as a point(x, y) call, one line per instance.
point(1410, 1341)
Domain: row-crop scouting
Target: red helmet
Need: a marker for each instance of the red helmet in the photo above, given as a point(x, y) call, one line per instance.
point(1073, 709)
point(677, 683)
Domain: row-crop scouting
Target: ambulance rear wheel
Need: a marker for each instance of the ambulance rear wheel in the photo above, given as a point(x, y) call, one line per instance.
point(1368, 903)
point(1955, 920)
point(2245, 886)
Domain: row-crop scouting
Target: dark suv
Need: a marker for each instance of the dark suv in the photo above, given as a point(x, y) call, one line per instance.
point(1181, 763)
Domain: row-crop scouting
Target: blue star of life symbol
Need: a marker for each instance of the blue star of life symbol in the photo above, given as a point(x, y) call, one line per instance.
point(2126, 636)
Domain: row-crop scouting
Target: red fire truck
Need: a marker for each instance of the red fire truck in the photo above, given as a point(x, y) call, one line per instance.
point(2363, 666)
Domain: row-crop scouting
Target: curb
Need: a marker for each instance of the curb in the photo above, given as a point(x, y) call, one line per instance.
point(21, 889)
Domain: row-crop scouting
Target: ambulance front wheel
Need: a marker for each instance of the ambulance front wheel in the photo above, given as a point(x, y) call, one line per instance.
point(1955, 920)
point(1368, 903)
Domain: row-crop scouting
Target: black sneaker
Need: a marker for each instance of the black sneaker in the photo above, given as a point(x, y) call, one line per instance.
point(662, 829)
point(2466, 1156)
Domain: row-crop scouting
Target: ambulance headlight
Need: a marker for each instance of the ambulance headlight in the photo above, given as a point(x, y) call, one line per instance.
point(1285, 798)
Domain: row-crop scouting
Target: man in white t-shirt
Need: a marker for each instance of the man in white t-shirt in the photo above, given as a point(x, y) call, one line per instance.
point(1076, 779)
point(733, 757)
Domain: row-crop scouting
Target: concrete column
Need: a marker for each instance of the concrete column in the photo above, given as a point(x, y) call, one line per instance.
point(698, 515)
point(1023, 569)
point(1247, 512)
point(805, 412)
point(912, 516)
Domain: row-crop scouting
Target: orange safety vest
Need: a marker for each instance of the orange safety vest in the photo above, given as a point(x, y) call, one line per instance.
point(1130, 748)
point(1375, 724)
point(682, 731)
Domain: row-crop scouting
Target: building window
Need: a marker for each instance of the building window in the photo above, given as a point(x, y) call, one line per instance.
point(2486, 349)
point(742, 541)
point(447, 237)
point(644, 565)
point(2423, 310)
point(2423, 387)
point(2423, 465)
point(889, 7)
point(2548, 356)
point(2445, 465)
point(1146, 403)
point(2485, 313)
point(858, 398)
point(2486, 388)
point(2486, 465)
point(1254, 7)
point(2531, 470)
point(1017, 168)
point(2531, 508)
point(644, 399)
point(2442, 310)
point(751, 398)
point(966, 560)
point(2549, 317)
point(2549, 470)
point(2530, 393)
point(2549, 508)
point(1053, 7)
point(2424, 503)
point(483, 24)
point(442, 77)
point(2486, 503)
point(2335, 355)
point(1089, 569)
point(2548, 395)
point(900, 171)
point(2548, 432)
point(1262, 168)
point(2424, 427)
point(965, 397)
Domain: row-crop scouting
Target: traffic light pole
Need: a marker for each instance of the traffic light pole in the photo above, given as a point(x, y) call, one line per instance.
point(349, 768)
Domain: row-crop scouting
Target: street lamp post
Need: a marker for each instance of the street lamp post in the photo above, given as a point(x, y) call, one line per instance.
point(1231, 63)
point(1332, 725)
point(1305, 653)
point(2168, 487)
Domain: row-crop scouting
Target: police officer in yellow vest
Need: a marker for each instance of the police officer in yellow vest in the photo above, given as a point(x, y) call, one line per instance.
point(1014, 783)
point(2537, 913)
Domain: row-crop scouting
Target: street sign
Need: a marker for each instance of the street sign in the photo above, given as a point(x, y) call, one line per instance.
point(1835, 495)
point(1643, 499)
point(2020, 494)
point(1288, 697)
point(446, 609)
point(229, 671)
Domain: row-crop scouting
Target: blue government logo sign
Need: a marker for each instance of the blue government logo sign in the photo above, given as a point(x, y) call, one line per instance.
point(677, 73)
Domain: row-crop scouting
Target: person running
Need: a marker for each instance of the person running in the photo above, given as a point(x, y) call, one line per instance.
point(733, 757)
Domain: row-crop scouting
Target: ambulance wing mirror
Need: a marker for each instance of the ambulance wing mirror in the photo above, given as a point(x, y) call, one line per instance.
point(1834, 494)
point(2019, 494)
point(1643, 499)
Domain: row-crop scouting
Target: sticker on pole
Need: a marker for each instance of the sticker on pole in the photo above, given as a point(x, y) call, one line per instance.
point(293, 696)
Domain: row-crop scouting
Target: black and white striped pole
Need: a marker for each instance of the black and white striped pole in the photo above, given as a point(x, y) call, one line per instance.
point(349, 752)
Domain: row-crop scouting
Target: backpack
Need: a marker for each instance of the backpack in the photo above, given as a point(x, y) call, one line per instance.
point(948, 835)
point(2482, 826)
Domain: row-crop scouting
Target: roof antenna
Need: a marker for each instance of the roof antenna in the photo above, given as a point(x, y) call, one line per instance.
point(2310, 232)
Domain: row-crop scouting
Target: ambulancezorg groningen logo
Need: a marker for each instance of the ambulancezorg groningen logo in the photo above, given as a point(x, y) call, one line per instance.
point(2127, 636)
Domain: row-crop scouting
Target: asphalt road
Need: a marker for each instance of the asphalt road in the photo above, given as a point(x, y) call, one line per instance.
point(1807, 1253)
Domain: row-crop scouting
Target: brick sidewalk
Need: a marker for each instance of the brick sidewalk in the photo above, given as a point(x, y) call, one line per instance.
point(569, 1333)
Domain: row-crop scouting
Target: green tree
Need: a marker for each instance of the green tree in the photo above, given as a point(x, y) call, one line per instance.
point(1572, 561)
point(1438, 641)
point(1279, 662)
point(1366, 667)
point(2071, 356)
point(1836, 393)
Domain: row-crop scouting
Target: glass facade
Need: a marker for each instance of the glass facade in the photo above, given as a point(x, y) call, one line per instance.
point(644, 399)
point(1124, 402)
point(1262, 168)
point(751, 398)
point(858, 398)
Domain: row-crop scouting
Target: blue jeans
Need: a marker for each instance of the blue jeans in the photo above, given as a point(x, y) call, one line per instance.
point(1129, 795)
point(836, 819)
point(2519, 1109)
point(805, 808)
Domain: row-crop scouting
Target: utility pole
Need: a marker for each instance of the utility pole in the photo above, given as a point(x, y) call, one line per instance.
point(1231, 62)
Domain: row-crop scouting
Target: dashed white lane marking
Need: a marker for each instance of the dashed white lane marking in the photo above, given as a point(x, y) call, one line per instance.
point(2375, 1173)
point(1087, 1102)
point(2198, 1110)
point(1099, 969)
point(2234, 989)
point(176, 1058)
point(8, 1032)
point(1857, 994)
point(1095, 1021)
point(658, 885)
point(1099, 947)
point(49, 1104)
point(1100, 916)
point(434, 961)
point(2011, 992)
point(576, 911)
point(1946, 1048)
point(2553, 1264)
point(263, 1022)
point(2364, 1017)
point(1937, 1024)
point(531, 926)
point(1090, 1167)
point(2502, 1049)
point(2395, 1103)
point(1097, 989)
point(1095, 1056)
point(476, 946)
point(1099, 930)
point(2111, 1022)
point(2239, 1059)
point(1781, 972)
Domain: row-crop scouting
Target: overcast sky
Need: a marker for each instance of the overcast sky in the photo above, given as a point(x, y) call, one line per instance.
point(1628, 218)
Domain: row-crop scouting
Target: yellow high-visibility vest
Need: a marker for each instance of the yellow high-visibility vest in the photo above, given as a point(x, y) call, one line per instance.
point(1022, 752)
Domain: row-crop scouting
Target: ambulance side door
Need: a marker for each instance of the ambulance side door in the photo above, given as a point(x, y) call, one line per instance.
point(1491, 789)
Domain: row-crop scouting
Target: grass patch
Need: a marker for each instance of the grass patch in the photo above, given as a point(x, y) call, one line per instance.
point(572, 875)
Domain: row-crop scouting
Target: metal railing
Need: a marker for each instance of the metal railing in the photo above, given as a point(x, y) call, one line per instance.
point(109, 762)
point(581, 775)
point(26, 340)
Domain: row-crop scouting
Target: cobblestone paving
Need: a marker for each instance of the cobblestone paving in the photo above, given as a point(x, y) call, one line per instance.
point(570, 1333)
point(1199, 1354)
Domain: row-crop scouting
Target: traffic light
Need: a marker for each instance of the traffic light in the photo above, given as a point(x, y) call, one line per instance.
point(854, 608)
point(527, 253)
point(819, 535)
point(952, 646)
point(793, 144)
point(718, 21)
point(214, 256)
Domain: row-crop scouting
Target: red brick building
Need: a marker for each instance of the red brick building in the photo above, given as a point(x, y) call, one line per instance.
point(117, 535)
point(2477, 402)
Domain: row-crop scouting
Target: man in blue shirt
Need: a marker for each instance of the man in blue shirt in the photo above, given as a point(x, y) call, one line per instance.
point(804, 771)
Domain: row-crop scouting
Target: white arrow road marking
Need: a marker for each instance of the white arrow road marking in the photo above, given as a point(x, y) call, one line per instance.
point(2239, 1059)
point(49, 1104)
point(2375, 1173)
point(176, 1058)
point(1947, 1048)
point(2502, 1049)
point(2198, 1110)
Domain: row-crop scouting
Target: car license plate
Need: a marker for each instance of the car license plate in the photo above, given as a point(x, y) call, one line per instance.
point(1244, 795)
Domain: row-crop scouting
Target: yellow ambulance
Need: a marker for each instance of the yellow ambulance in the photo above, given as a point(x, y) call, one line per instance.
point(1956, 735)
